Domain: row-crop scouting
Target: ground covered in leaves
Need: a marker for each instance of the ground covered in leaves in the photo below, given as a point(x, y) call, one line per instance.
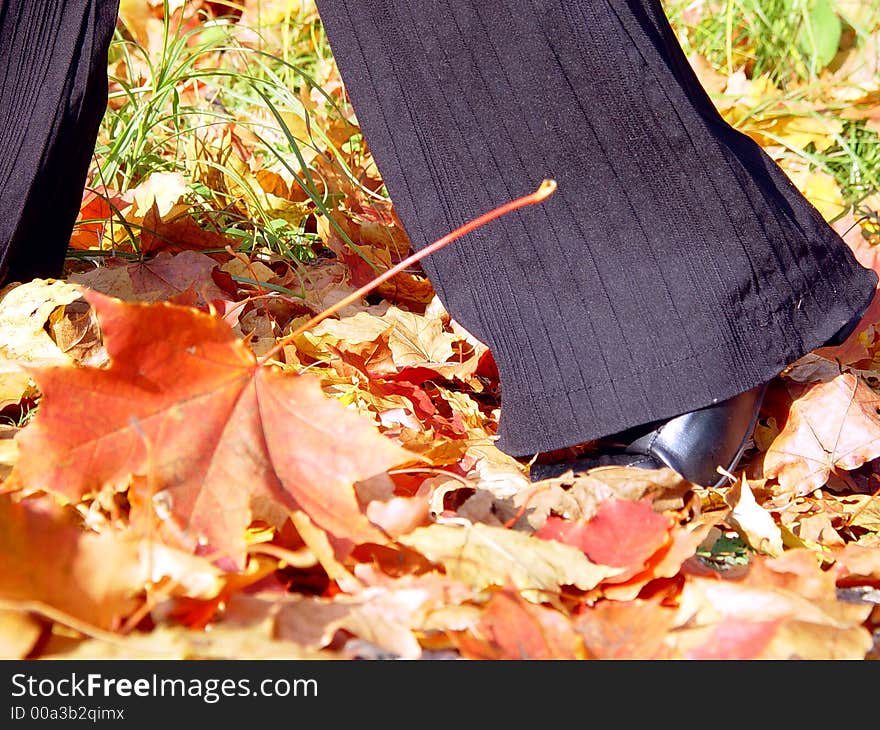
point(190, 470)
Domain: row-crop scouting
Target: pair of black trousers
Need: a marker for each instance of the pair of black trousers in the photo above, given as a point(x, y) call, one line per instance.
point(675, 266)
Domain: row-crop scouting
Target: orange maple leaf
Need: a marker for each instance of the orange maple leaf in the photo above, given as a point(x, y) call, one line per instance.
point(185, 404)
point(622, 533)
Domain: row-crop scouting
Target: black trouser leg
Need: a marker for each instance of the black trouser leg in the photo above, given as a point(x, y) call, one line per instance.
point(676, 265)
point(53, 94)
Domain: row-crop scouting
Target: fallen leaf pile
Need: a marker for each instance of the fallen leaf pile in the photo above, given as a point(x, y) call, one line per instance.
point(186, 474)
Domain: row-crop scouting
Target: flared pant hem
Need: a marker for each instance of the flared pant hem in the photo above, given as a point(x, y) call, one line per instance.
point(562, 419)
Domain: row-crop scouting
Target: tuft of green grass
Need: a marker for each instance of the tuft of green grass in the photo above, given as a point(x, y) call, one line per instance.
point(787, 40)
point(855, 161)
point(797, 44)
point(727, 552)
point(164, 103)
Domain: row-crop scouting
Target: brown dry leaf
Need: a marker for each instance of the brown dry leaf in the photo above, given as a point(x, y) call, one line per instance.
point(856, 564)
point(511, 628)
point(414, 340)
point(405, 344)
point(326, 282)
point(362, 327)
point(258, 329)
point(816, 530)
point(177, 231)
point(194, 413)
point(815, 368)
point(398, 515)
point(249, 270)
point(160, 278)
point(833, 425)
point(180, 573)
point(417, 340)
point(484, 556)
point(380, 617)
point(409, 290)
point(495, 480)
point(50, 560)
point(867, 515)
point(75, 330)
point(386, 617)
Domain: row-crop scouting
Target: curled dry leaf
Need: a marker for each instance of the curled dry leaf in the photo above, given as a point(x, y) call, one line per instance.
point(754, 523)
point(24, 311)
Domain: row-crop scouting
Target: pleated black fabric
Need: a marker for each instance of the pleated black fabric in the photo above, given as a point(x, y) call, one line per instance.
point(675, 266)
point(53, 94)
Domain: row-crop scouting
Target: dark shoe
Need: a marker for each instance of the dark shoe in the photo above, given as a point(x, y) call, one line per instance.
point(694, 444)
point(550, 470)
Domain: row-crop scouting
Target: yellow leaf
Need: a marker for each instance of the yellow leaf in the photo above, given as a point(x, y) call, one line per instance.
point(821, 190)
point(802, 130)
point(485, 556)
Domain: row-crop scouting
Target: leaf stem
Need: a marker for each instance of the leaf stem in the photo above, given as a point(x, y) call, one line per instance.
point(544, 191)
